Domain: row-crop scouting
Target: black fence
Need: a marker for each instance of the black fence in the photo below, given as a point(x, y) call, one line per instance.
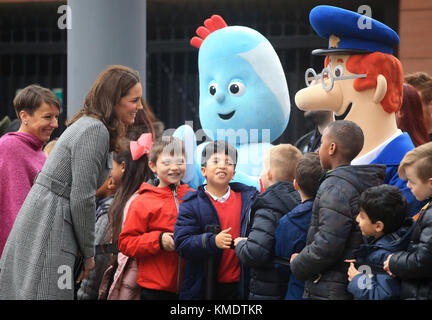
point(33, 49)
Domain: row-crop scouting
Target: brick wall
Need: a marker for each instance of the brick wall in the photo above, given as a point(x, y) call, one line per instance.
point(415, 32)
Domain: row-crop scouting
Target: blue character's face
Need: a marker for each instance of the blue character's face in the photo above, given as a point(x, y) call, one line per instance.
point(243, 91)
point(233, 96)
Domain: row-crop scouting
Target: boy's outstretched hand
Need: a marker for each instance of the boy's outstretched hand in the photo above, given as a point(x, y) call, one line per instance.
point(223, 239)
point(89, 264)
point(352, 271)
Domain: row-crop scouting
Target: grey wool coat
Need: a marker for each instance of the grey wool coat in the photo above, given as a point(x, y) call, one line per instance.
point(57, 219)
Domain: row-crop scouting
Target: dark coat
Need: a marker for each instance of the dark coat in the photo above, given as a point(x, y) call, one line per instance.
point(89, 288)
point(414, 266)
point(372, 254)
point(310, 142)
point(334, 235)
point(266, 283)
point(291, 238)
point(193, 243)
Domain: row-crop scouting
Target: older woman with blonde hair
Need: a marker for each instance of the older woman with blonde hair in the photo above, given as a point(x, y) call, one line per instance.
point(56, 224)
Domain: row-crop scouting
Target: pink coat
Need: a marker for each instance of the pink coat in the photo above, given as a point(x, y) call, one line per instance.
point(124, 286)
point(21, 158)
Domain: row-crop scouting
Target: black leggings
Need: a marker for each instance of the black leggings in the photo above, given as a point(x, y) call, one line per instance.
point(227, 291)
point(151, 294)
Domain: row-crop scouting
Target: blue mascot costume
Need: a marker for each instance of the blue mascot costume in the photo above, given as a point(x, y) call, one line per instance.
point(244, 98)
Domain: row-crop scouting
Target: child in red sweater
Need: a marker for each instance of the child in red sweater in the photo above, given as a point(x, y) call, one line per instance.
point(147, 233)
point(208, 222)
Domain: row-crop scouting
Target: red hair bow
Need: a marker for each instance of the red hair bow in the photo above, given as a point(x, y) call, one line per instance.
point(141, 146)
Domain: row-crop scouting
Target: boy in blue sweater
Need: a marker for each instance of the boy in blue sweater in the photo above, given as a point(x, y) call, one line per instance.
point(293, 227)
point(385, 229)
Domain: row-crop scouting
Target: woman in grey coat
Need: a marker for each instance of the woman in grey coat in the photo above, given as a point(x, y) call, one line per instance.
point(56, 223)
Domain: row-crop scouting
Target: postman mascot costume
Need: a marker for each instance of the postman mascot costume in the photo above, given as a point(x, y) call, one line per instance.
point(362, 82)
point(243, 99)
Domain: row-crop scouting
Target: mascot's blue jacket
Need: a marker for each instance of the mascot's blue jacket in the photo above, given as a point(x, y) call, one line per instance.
point(373, 253)
point(391, 156)
point(193, 243)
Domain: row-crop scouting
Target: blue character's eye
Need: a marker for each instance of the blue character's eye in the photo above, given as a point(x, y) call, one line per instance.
point(236, 88)
point(213, 88)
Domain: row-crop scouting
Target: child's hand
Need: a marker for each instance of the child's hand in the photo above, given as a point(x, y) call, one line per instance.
point(89, 264)
point(223, 239)
point(352, 271)
point(237, 240)
point(386, 266)
point(293, 256)
point(168, 241)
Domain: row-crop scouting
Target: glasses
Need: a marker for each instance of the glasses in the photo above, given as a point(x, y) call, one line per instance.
point(326, 73)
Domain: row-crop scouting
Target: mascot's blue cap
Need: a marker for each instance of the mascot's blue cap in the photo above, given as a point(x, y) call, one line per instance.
point(350, 32)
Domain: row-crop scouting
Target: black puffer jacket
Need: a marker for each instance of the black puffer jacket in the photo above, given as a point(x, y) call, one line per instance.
point(334, 235)
point(414, 266)
point(258, 251)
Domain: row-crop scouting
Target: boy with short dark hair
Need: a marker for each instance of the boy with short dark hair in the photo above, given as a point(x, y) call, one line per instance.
point(333, 235)
point(257, 250)
point(208, 221)
point(414, 265)
point(292, 228)
point(386, 229)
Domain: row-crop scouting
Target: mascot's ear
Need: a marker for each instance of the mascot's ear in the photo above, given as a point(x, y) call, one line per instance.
point(381, 89)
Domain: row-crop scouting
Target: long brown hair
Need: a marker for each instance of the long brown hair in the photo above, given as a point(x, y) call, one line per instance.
point(110, 86)
point(135, 173)
point(412, 119)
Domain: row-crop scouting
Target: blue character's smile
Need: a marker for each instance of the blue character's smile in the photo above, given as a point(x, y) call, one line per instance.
point(226, 116)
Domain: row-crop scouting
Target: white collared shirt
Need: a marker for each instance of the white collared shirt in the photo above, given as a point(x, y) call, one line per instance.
point(220, 199)
point(371, 155)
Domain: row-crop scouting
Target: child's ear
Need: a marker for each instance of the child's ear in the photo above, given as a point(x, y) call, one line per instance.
point(233, 174)
point(296, 186)
point(269, 174)
point(203, 171)
point(122, 165)
point(430, 182)
point(379, 226)
point(152, 166)
point(111, 184)
point(332, 148)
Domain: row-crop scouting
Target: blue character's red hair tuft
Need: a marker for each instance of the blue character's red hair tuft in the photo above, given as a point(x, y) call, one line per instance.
point(212, 24)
